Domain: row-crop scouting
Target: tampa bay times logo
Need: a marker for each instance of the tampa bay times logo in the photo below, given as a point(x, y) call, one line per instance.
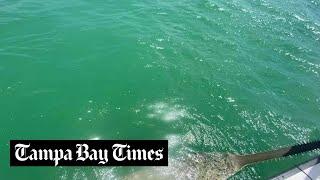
point(88, 152)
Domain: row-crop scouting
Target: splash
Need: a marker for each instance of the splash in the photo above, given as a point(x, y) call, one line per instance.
point(167, 111)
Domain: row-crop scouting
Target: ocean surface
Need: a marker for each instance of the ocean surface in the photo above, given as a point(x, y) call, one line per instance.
point(211, 76)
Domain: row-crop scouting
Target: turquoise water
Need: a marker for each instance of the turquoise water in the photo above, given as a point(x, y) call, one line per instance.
point(211, 76)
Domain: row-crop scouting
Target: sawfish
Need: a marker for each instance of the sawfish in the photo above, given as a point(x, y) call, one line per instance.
point(216, 165)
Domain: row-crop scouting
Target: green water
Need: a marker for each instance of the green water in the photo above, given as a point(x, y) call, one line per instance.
point(209, 75)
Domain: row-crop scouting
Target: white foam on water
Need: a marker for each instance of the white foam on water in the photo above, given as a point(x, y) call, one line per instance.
point(148, 66)
point(162, 13)
point(220, 117)
point(156, 47)
point(167, 111)
point(299, 18)
point(95, 138)
point(230, 100)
